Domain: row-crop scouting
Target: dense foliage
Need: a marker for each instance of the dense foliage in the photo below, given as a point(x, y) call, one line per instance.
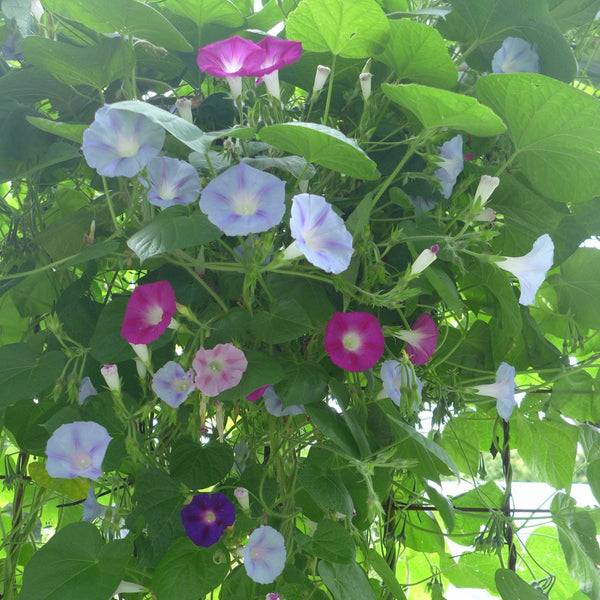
point(260, 299)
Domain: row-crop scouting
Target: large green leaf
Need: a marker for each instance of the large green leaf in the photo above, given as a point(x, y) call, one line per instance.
point(512, 587)
point(577, 396)
point(441, 109)
point(326, 488)
point(123, 16)
point(555, 130)
point(385, 572)
point(460, 441)
point(418, 52)
point(332, 542)
point(473, 570)
point(286, 321)
point(573, 13)
point(331, 424)
point(356, 29)
point(173, 229)
point(204, 12)
point(304, 383)
point(200, 466)
point(322, 145)
point(346, 582)
point(75, 563)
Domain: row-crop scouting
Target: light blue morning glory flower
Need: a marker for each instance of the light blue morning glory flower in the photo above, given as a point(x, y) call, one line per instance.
point(264, 556)
point(516, 55)
point(172, 182)
point(451, 164)
point(399, 379)
point(172, 384)
point(274, 405)
point(503, 390)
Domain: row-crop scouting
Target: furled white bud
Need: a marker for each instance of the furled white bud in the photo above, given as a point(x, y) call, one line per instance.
point(243, 497)
point(184, 109)
point(487, 184)
point(111, 376)
point(424, 259)
point(365, 84)
point(320, 78)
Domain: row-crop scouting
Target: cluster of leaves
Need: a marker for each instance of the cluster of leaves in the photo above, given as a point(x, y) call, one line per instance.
point(74, 244)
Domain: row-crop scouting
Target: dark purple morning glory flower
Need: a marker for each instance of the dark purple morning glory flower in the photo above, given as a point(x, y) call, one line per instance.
point(206, 517)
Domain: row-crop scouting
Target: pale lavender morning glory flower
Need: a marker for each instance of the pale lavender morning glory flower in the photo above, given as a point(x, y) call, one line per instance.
point(516, 55)
point(264, 556)
point(172, 182)
point(503, 390)
point(451, 164)
point(121, 142)
point(531, 268)
point(172, 384)
point(244, 200)
point(77, 450)
point(319, 233)
point(86, 389)
point(92, 509)
point(274, 405)
point(399, 378)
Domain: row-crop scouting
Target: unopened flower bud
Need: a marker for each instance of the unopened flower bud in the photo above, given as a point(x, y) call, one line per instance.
point(220, 420)
point(242, 497)
point(142, 352)
point(487, 214)
point(365, 84)
point(111, 376)
point(424, 259)
point(184, 109)
point(320, 78)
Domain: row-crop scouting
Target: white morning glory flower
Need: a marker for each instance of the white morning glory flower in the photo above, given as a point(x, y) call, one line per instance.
point(503, 390)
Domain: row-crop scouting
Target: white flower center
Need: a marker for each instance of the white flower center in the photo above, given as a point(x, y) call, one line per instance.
point(215, 366)
point(155, 315)
point(245, 204)
point(127, 146)
point(81, 459)
point(209, 516)
point(351, 341)
point(182, 385)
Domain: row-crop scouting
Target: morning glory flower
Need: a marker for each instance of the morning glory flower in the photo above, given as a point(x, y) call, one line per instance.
point(77, 450)
point(92, 509)
point(110, 373)
point(503, 390)
point(354, 340)
point(531, 268)
point(399, 379)
point(86, 389)
point(183, 106)
point(243, 497)
point(516, 55)
point(219, 369)
point(274, 405)
point(451, 164)
point(319, 234)
point(206, 517)
point(272, 596)
point(421, 340)
point(264, 555)
point(278, 53)
point(257, 393)
point(172, 384)
point(321, 75)
point(424, 259)
point(244, 200)
point(149, 312)
point(172, 182)
point(120, 142)
point(487, 185)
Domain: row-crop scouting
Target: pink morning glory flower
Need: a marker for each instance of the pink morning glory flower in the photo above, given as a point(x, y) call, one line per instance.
point(206, 517)
point(354, 340)
point(86, 389)
point(274, 405)
point(272, 596)
point(149, 312)
point(172, 182)
point(172, 384)
point(451, 164)
point(421, 340)
point(219, 369)
point(264, 555)
point(120, 142)
point(503, 390)
point(77, 450)
point(516, 55)
point(399, 379)
point(319, 234)
point(244, 200)
point(531, 268)
point(278, 53)
point(256, 394)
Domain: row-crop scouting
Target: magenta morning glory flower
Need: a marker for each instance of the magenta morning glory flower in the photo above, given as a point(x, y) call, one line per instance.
point(503, 390)
point(172, 182)
point(354, 340)
point(219, 369)
point(531, 268)
point(77, 450)
point(278, 53)
point(450, 164)
point(399, 379)
point(264, 555)
point(421, 340)
point(172, 384)
point(319, 234)
point(274, 405)
point(516, 55)
point(256, 394)
point(244, 200)
point(120, 142)
point(149, 312)
point(206, 517)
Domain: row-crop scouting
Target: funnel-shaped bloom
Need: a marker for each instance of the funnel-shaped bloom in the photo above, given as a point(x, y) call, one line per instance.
point(149, 312)
point(274, 405)
point(516, 55)
point(86, 389)
point(219, 369)
point(487, 184)
point(172, 182)
point(319, 233)
point(120, 142)
point(92, 509)
point(400, 380)
point(244, 200)
point(206, 517)
point(354, 340)
point(451, 164)
point(77, 450)
point(421, 340)
point(278, 53)
point(503, 390)
point(424, 259)
point(264, 555)
point(172, 384)
point(256, 394)
point(531, 268)
point(321, 75)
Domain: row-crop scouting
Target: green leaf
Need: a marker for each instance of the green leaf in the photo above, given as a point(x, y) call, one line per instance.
point(578, 287)
point(442, 503)
point(108, 346)
point(326, 488)
point(346, 582)
point(205, 12)
point(555, 131)
point(286, 321)
point(460, 441)
point(512, 587)
point(437, 109)
point(593, 477)
point(187, 572)
point(568, 14)
point(200, 466)
point(548, 448)
point(322, 145)
point(332, 542)
point(577, 396)
point(356, 29)
point(173, 229)
point(387, 576)
point(75, 563)
point(127, 17)
point(69, 131)
point(418, 52)
point(303, 383)
point(331, 424)
point(73, 488)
